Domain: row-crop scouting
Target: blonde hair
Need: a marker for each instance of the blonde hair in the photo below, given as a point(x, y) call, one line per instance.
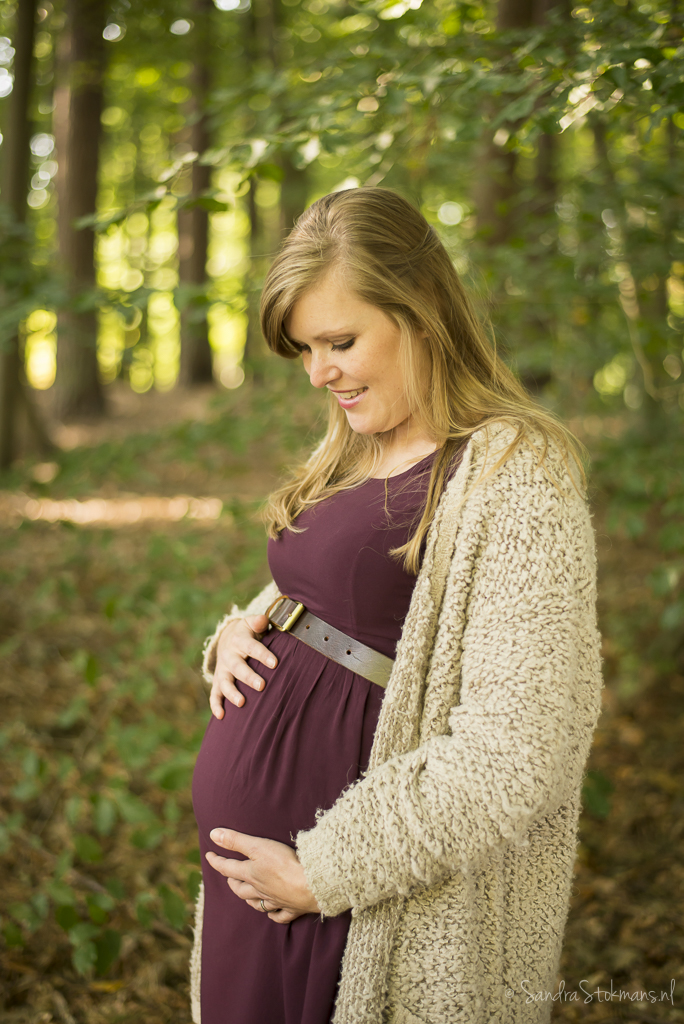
point(394, 260)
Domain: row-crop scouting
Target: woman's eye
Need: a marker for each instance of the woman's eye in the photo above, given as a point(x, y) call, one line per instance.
point(344, 346)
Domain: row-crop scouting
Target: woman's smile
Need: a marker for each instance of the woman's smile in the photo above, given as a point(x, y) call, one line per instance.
point(348, 399)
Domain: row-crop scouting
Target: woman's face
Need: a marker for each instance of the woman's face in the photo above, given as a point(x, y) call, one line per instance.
point(351, 348)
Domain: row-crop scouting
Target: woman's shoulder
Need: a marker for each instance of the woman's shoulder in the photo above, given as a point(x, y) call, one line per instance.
point(505, 458)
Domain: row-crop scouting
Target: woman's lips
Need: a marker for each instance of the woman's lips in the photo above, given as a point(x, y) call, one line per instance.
point(348, 399)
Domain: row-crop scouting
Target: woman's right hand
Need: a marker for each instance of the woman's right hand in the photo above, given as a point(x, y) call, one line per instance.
point(237, 642)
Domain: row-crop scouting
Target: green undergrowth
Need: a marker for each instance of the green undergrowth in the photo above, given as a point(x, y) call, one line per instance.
point(265, 425)
point(103, 705)
point(638, 480)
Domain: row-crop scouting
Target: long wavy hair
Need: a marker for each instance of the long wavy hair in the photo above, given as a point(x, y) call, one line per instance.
point(393, 259)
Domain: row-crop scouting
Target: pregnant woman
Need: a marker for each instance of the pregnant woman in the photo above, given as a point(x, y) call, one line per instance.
point(388, 789)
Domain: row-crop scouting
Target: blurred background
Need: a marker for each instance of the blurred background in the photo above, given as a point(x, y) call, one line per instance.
point(153, 156)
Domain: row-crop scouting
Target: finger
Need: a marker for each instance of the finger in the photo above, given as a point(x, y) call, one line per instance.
point(257, 623)
point(260, 653)
point(229, 689)
point(216, 701)
point(241, 670)
point(283, 916)
point(239, 842)
point(268, 908)
point(229, 867)
point(244, 890)
point(223, 686)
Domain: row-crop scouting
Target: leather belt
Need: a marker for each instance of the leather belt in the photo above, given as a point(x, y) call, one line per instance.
point(290, 616)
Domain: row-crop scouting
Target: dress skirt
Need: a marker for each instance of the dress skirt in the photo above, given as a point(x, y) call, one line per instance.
point(265, 769)
point(292, 749)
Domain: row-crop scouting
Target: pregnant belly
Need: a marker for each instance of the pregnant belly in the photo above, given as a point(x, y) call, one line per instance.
point(267, 767)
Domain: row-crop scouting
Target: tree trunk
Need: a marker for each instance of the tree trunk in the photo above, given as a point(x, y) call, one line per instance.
point(294, 192)
point(261, 49)
point(78, 389)
point(14, 393)
point(193, 223)
point(255, 349)
point(496, 188)
point(548, 146)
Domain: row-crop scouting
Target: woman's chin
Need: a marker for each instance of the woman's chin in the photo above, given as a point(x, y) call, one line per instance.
point(361, 424)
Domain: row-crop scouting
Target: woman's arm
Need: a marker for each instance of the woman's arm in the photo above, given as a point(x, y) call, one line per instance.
point(518, 741)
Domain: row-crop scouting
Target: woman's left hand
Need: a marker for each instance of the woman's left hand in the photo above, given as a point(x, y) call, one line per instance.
point(272, 874)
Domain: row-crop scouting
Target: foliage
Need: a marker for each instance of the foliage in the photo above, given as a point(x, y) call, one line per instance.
point(104, 710)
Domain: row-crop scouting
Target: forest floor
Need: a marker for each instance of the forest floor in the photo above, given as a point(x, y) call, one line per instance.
point(108, 585)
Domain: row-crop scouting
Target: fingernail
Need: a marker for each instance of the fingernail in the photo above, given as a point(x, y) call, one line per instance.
point(216, 835)
point(271, 662)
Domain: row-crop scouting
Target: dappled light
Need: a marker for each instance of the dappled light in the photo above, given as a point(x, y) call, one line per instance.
point(109, 511)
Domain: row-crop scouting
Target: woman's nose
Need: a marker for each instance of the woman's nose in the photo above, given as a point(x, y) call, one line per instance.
point(322, 369)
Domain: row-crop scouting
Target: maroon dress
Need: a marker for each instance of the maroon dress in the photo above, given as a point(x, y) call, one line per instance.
point(266, 767)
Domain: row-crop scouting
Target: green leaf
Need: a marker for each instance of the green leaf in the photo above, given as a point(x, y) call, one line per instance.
point(101, 899)
point(84, 958)
point(519, 108)
point(76, 710)
point(193, 884)
point(208, 203)
point(66, 917)
point(142, 911)
point(115, 888)
point(41, 904)
point(148, 838)
point(73, 809)
point(91, 670)
point(272, 172)
point(671, 537)
point(27, 789)
point(97, 914)
point(596, 794)
point(174, 907)
point(26, 914)
point(173, 777)
point(132, 809)
point(664, 579)
point(673, 616)
point(104, 814)
point(13, 935)
point(82, 933)
point(61, 893)
point(88, 848)
point(108, 947)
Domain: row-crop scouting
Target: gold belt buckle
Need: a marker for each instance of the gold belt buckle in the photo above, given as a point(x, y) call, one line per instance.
point(292, 617)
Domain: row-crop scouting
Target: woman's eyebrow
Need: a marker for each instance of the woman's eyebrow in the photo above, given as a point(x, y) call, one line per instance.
point(325, 336)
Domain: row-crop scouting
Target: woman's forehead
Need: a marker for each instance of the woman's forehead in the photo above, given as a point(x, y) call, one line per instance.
point(329, 308)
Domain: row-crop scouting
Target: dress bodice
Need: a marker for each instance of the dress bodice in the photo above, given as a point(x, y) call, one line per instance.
point(340, 565)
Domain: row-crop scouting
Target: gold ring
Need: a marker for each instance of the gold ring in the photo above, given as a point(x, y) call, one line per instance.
point(263, 906)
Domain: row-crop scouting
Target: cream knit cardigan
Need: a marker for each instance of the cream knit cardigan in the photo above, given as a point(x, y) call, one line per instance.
point(456, 850)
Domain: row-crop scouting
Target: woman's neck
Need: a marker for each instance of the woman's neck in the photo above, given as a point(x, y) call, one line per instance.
point(402, 451)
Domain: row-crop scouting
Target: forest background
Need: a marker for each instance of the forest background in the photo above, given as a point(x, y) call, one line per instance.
point(154, 154)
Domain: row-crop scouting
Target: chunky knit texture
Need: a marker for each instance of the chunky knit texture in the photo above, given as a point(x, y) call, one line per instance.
point(456, 850)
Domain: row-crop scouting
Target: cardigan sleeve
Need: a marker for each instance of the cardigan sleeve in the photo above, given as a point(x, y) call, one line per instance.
point(518, 739)
point(255, 607)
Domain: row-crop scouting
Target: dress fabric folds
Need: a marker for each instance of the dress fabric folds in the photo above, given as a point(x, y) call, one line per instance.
point(267, 767)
